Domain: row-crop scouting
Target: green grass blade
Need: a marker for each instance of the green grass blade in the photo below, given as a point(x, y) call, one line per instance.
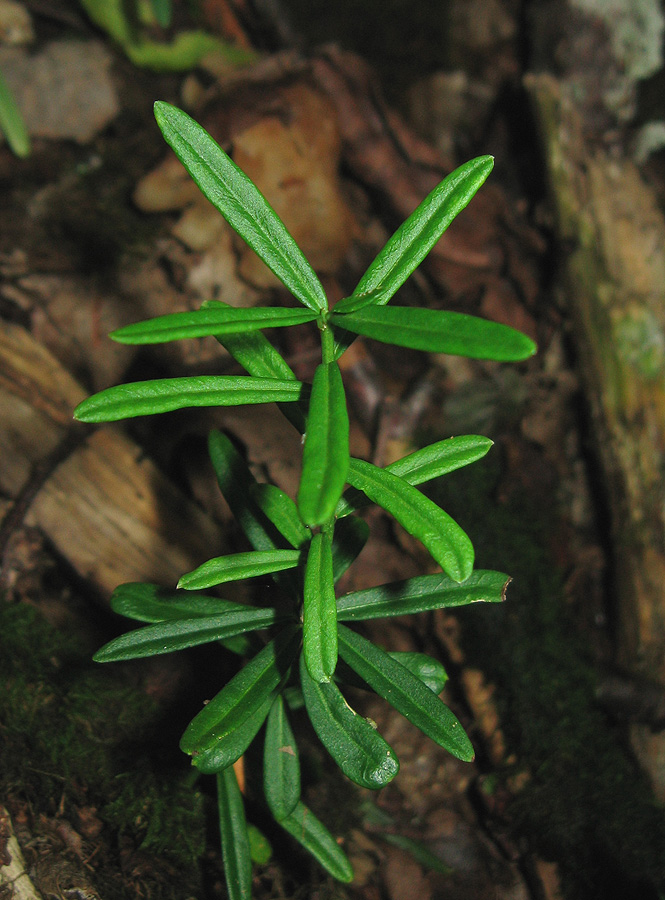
point(240, 705)
point(145, 398)
point(152, 603)
point(326, 449)
point(320, 611)
point(424, 465)
point(405, 692)
point(354, 744)
point(313, 835)
point(237, 567)
point(416, 236)
point(439, 331)
point(441, 535)
point(235, 840)
point(241, 203)
point(283, 513)
point(422, 593)
point(349, 538)
point(281, 764)
point(209, 322)
point(167, 637)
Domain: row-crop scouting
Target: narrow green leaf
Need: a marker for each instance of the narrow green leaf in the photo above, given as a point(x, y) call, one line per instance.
point(319, 610)
point(209, 322)
point(152, 603)
point(438, 331)
point(225, 727)
point(405, 692)
point(238, 566)
point(282, 512)
point(235, 839)
point(443, 537)
point(416, 236)
point(241, 203)
point(145, 398)
point(418, 851)
point(424, 465)
point(12, 124)
point(326, 450)
point(354, 744)
point(349, 538)
point(281, 764)
point(425, 592)
point(303, 825)
point(424, 667)
point(167, 637)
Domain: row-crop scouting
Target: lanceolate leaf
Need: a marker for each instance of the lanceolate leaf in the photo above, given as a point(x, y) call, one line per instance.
point(281, 765)
point(235, 840)
point(413, 240)
point(403, 690)
point(423, 465)
point(357, 748)
point(151, 603)
point(319, 611)
point(303, 825)
point(144, 398)
point(240, 701)
point(326, 450)
point(166, 637)
point(282, 512)
point(224, 753)
point(238, 566)
point(428, 670)
point(443, 537)
point(241, 203)
point(209, 322)
point(420, 594)
point(438, 331)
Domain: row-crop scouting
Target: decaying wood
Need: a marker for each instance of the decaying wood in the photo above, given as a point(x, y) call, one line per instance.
point(111, 513)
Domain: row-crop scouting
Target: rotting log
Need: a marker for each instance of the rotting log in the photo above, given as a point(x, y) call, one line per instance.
point(613, 233)
point(106, 508)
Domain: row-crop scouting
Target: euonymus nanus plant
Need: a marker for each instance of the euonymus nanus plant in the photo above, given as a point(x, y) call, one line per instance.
point(301, 649)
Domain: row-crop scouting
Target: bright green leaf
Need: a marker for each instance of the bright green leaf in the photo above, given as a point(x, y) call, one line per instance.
point(238, 566)
point(12, 124)
point(209, 321)
point(422, 593)
point(145, 398)
point(416, 236)
point(326, 450)
point(354, 744)
point(405, 692)
point(259, 846)
point(319, 610)
point(152, 603)
point(281, 764)
point(303, 825)
point(167, 637)
point(282, 512)
point(235, 840)
point(439, 331)
point(241, 203)
point(443, 537)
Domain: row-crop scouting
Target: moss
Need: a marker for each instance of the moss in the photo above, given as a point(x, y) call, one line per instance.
point(586, 805)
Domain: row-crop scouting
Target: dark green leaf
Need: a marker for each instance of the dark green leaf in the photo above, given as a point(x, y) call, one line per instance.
point(167, 637)
point(259, 845)
point(354, 744)
point(418, 851)
point(349, 538)
point(241, 706)
point(416, 236)
point(326, 450)
point(144, 398)
point(241, 203)
point(424, 464)
point(424, 667)
point(281, 765)
point(438, 331)
point(283, 513)
point(319, 610)
point(420, 594)
point(209, 322)
point(303, 825)
point(151, 603)
point(235, 840)
point(443, 537)
point(403, 690)
point(238, 566)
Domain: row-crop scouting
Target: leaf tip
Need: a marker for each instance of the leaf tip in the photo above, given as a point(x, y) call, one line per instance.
point(504, 589)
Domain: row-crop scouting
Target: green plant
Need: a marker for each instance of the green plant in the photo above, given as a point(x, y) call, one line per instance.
point(306, 544)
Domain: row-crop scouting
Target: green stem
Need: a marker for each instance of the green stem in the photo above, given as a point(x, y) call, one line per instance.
point(327, 343)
